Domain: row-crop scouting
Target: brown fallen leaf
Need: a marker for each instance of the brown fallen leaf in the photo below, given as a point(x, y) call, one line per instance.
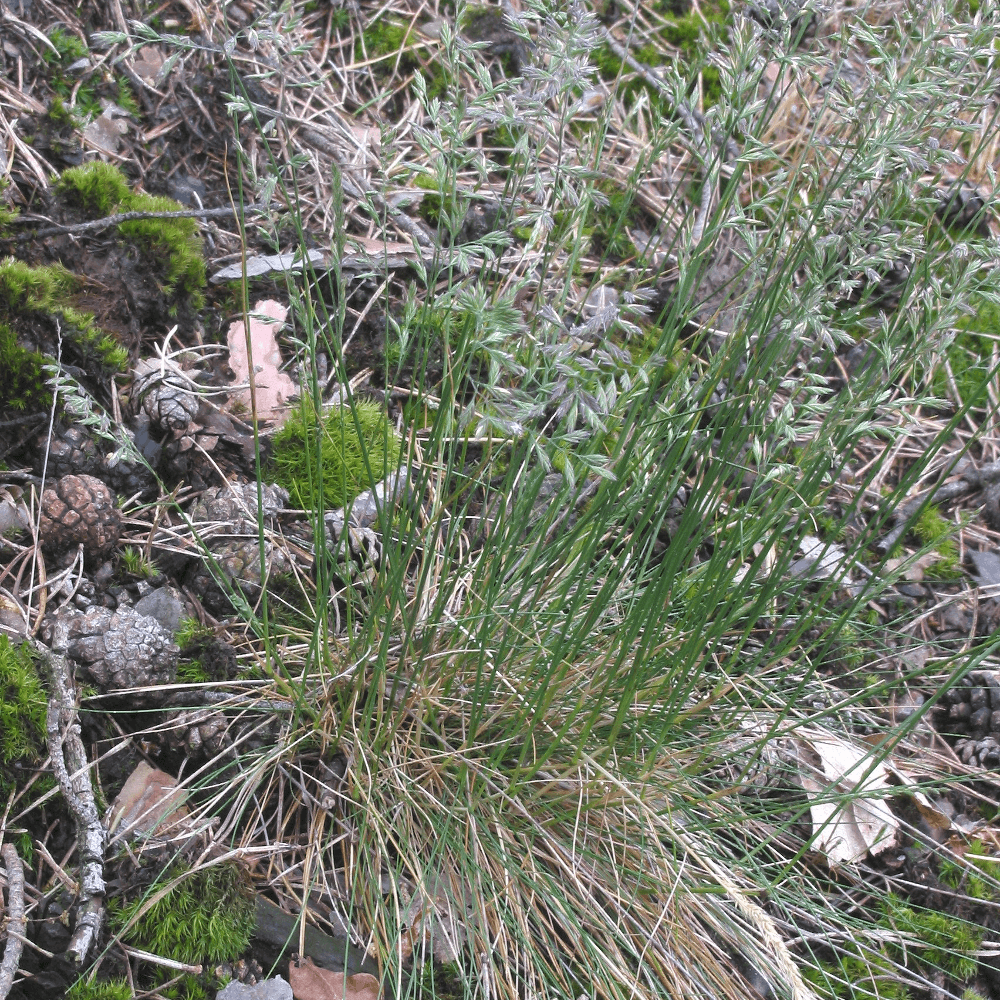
point(149, 802)
point(274, 388)
point(310, 982)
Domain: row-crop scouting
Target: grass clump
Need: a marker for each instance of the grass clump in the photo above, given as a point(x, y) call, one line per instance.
point(357, 449)
point(101, 189)
point(23, 707)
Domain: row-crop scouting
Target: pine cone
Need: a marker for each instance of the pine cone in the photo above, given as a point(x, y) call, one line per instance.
point(80, 510)
point(165, 397)
point(247, 972)
point(122, 649)
point(963, 207)
point(196, 731)
point(233, 510)
point(235, 505)
point(359, 555)
point(72, 451)
point(237, 560)
point(971, 711)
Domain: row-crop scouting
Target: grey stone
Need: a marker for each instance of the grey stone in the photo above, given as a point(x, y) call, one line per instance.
point(268, 989)
point(164, 605)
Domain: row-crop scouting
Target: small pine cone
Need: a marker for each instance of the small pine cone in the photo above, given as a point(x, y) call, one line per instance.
point(200, 731)
point(247, 972)
point(359, 556)
point(122, 649)
point(71, 451)
point(982, 753)
point(235, 506)
point(80, 510)
point(238, 561)
point(166, 399)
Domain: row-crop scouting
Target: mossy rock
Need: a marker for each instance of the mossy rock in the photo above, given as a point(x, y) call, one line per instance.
point(23, 707)
point(35, 311)
point(101, 189)
point(335, 457)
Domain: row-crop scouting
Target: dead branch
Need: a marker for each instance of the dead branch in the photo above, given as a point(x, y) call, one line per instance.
point(69, 762)
point(115, 220)
point(16, 923)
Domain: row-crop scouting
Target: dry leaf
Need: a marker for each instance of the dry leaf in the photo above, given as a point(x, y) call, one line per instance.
point(105, 132)
point(262, 264)
point(149, 802)
point(819, 561)
point(147, 67)
point(849, 829)
point(310, 982)
point(377, 247)
point(274, 387)
point(934, 814)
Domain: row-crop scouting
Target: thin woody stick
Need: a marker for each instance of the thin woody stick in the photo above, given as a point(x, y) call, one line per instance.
point(69, 762)
point(15, 921)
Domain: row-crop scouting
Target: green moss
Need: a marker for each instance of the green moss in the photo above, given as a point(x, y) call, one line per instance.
point(385, 37)
point(108, 989)
point(349, 441)
point(933, 530)
point(430, 204)
point(27, 291)
point(101, 189)
point(22, 378)
point(443, 981)
point(851, 976)
point(687, 30)
point(23, 707)
point(192, 672)
point(975, 874)
point(98, 188)
point(611, 221)
point(69, 49)
point(134, 563)
point(207, 918)
point(948, 942)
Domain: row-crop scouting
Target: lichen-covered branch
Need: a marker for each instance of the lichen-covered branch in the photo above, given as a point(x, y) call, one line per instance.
point(15, 919)
point(69, 762)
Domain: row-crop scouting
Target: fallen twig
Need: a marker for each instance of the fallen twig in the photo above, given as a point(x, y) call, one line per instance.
point(116, 220)
point(16, 923)
point(69, 762)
